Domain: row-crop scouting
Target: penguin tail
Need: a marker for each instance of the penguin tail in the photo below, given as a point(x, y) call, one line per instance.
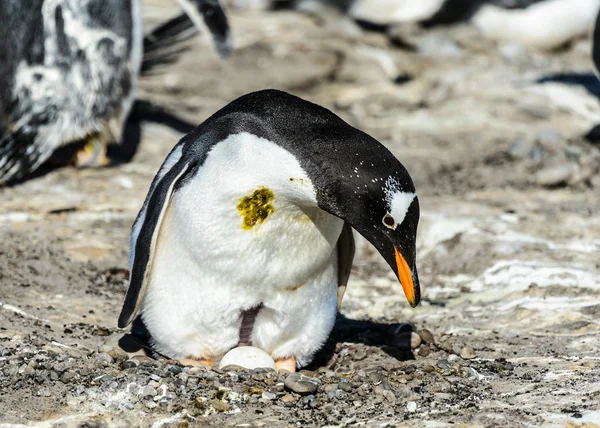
point(19, 156)
point(164, 44)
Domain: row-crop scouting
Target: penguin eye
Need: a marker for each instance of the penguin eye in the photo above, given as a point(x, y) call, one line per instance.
point(389, 221)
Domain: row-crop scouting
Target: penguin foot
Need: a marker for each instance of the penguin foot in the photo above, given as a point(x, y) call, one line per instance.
point(93, 154)
point(288, 364)
point(196, 362)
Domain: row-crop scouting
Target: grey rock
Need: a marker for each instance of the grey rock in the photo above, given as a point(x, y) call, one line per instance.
point(554, 176)
point(128, 364)
point(467, 353)
point(269, 395)
point(301, 384)
point(444, 365)
point(426, 336)
point(148, 391)
point(104, 359)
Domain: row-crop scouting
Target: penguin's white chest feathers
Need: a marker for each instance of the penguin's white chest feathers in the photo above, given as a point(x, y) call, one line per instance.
point(244, 231)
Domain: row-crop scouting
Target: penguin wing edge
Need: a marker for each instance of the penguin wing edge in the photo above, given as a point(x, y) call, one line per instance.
point(145, 234)
point(345, 249)
point(596, 44)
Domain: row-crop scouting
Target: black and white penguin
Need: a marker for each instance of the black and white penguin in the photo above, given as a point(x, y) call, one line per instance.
point(69, 73)
point(544, 24)
point(249, 220)
point(595, 40)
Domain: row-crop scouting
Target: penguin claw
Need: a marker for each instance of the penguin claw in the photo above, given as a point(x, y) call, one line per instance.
point(288, 364)
point(196, 362)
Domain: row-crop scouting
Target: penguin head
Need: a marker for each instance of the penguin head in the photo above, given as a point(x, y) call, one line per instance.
point(375, 194)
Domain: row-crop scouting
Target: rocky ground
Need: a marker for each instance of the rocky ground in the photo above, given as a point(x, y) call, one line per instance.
point(493, 135)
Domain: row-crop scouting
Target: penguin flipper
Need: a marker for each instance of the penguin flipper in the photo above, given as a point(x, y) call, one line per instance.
point(164, 44)
point(146, 229)
point(210, 13)
point(20, 155)
point(345, 249)
point(596, 45)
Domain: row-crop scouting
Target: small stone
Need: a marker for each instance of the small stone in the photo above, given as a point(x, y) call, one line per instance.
point(521, 149)
point(554, 176)
point(310, 400)
point(363, 390)
point(424, 351)
point(68, 376)
point(411, 406)
point(220, 405)
point(444, 365)
point(104, 359)
point(453, 358)
point(360, 354)
point(232, 368)
point(129, 364)
point(269, 395)
point(426, 336)
point(467, 353)
point(174, 369)
point(148, 391)
point(345, 385)
point(301, 384)
point(549, 138)
point(117, 354)
point(288, 398)
point(385, 393)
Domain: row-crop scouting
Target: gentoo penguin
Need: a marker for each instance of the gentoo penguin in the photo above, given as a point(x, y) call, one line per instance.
point(596, 44)
point(544, 24)
point(69, 74)
point(246, 233)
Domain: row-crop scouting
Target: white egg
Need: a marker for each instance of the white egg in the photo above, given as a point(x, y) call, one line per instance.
point(248, 357)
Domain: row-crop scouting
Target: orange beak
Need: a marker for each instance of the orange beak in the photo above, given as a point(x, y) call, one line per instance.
point(406, 279)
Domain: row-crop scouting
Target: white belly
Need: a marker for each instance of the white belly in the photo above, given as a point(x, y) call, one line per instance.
point(210, 266)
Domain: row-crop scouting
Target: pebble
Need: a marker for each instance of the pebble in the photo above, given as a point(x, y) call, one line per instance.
point(148, 391)
point(288, 398)
point(411, 406)
point(129, 364)
point(220, 406)
point(467, 353)
point(426, 336)
point(117, 354)
point(424, 351)
point(553, 176)
point(386, 393)
point(345, 385)
point(310, 400)
point(104, 359)
point(269, 395)
point(444, 365)
point(453, 358)
point(549, 138)
point(301, 384)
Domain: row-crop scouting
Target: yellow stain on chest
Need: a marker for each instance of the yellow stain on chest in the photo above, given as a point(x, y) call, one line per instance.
point(255, 208)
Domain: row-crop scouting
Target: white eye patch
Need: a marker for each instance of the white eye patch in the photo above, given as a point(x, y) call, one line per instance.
point(398, 204)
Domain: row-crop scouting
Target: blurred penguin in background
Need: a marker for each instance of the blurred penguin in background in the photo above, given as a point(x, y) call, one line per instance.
point(544, 24)
point(70, 69)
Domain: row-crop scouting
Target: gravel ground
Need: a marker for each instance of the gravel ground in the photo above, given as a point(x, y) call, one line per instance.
point(507, 252)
